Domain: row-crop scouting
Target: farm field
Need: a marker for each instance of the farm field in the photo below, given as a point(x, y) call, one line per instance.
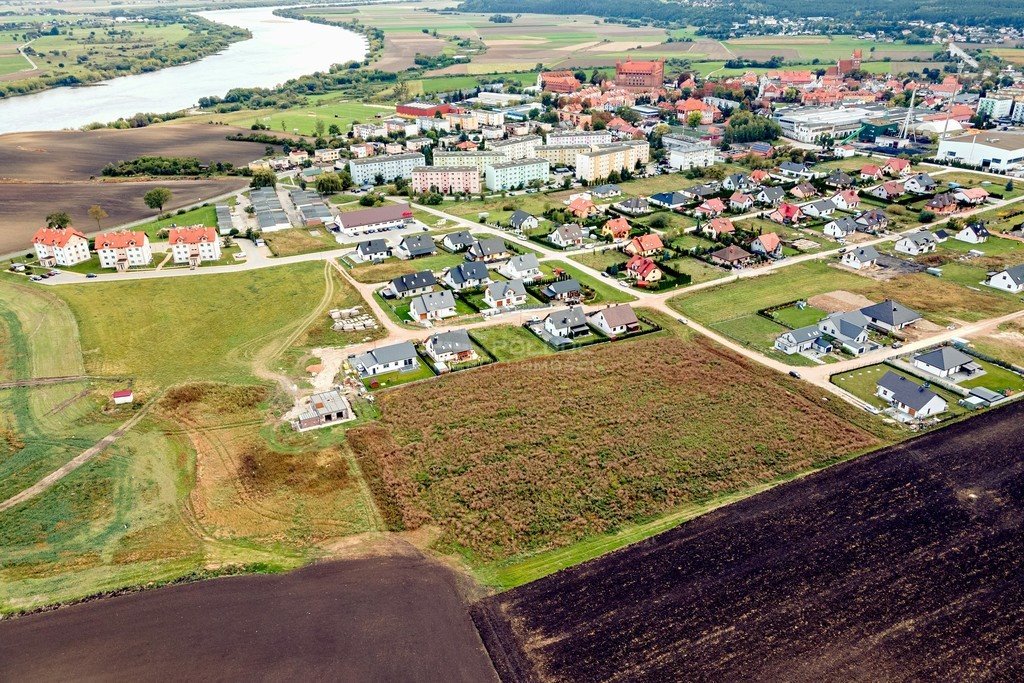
point(723, 588)
point(825, 48)
point(428, 465)
point(300, 120)
point(209, 327)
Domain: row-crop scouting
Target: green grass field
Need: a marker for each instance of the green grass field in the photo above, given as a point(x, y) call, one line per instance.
point(795, 318)
point(511, 342)
point(393, 267)
point(203, 215)
point(605, 293)
point(179, 329)
point(995, 378)
point(302, 120)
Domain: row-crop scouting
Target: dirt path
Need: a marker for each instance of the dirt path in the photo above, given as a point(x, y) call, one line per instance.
point(49, 480)
point(44, 381)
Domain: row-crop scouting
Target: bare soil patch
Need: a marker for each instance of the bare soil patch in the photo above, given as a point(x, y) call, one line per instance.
point(375, 619)
point(839, 301)
point(400, 50)
point(902, 565)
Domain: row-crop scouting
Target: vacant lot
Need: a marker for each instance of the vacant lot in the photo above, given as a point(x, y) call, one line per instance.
point(302, 120)
point(1005, 342)
point(26, 205)
point(884, 568)
point(54, 156)
point(392, 618)
point(553, 449)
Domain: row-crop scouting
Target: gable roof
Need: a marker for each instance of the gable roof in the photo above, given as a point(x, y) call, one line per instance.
point(1016, 273)
point(372, 247)
point(641, 265)
point(462, 238)
point(648, 242)
point(518, 218)
point(565, 286)
point(434, 301)
point(418, 244)
point(524, 262)
point(617, 316)
point(195, 234)
point(864, 254)
point(920, 238)
point(489, 246)
point(503, 288)
point(121, 239)
point(470, 270)
point(905, 391)
point(568, 317)
point(387, 354)
point(891, 313)
point(55, 237)
point(944, 358)
point(770, 241)
point(410, 281)
point(452, 341)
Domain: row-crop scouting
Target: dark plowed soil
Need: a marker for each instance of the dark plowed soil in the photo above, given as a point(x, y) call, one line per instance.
point(380, 619)
point(906, 564)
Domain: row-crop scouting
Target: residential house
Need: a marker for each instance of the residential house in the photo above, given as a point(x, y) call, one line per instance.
point(732, 256)
point(838, 179)
point(1009, 280)
point(371, 250)
point(415, 246)
point(505, 294)
point(890, 316)
point(804, 191)
point(849, 330)
point(644, 270)
point(771, 196)
point(889, 191)
point(975, 233)
point(860, 258)
point(769, 244)
point(841, 228)
point(786, 214)
point(194, 245)
point(716, 227)
point(916, 243)
point(567, 290)
point(524, 267)
point(703, 191)
point(791, 170)
point(606, 191)
point(433, 306)
point(922, 183)
point(617, 229)
point(943, 204)
point(802, 339)
point(971, 195)
point(633, 206)
point(456, 242)
point(123, 249)
point(453, 346)
point(823, 208)
point(737, 182)
point(410, 285)
point(60, 247)
point(614, 321)
point(741, 202)
point(467, 276)
point(583, 208)
point(946, 361)
point(489, 250)
point(870, 172)
point(568, 323)
point(897, 167)
point(872, 221)
point(710, 208)
point(325, 408)
point(522, 221)
point(846, 200)
point(669, 200)
point(645, 245)
point(909, 397)
point(394, 357)
point(759, 176)
point(568, 235)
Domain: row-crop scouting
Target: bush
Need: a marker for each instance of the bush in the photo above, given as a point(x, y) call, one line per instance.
point(926, 216)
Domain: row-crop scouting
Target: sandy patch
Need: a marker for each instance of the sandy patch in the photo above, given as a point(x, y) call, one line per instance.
point(839, 301)
point(577, 47)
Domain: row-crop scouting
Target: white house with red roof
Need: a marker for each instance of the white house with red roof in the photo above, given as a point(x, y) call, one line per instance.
point(123, 249)
point(194, 245)
point(60, 247)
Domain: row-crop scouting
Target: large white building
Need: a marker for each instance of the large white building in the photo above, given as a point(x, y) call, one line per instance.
point(365, 171)
point(996, 150)
point(580, 137)
point(513, 174)
point(124, 249)
point(686, 154)
point(194, 245)
point(446, 179)
point(479, 159)
point(522, 147)
point(560, 155)
point(60, 247)
point(488, 117)
point(808, 124)
point(601, 161)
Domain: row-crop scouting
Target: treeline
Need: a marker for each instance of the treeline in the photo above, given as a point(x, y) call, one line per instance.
point(164, 166)
point(744, 126)
point(718, 18)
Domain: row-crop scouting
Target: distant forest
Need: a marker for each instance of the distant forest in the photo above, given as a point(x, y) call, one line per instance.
point(716, 20)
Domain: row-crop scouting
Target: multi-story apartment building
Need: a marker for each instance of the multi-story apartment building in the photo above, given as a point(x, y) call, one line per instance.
point(123, 249)
point(60, 247)
point(364, 171)
point(560, 155)
point(487, 117)
point(522, 147)
point(686, 154)
point(580, 137)
point(603, 160)
point(514, 174)
point(479, 160)
point(446, 179)
point(194, 245)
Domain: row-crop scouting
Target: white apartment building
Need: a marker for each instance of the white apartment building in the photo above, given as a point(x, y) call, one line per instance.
point(601, 161)
point(486, 117)
point(479, 160)
point(580, 137)
point(515, 148)
point(514, 174)
point(427, 123)
point(446, 179)
point(560, 155)
point(365, 171)
point(686, 154)
point(124, 249)
point(194, 245)
point(369, 130)
point(996, 106)
point(60, 247)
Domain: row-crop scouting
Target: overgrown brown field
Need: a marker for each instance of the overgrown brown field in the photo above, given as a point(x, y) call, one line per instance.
point(523, 456)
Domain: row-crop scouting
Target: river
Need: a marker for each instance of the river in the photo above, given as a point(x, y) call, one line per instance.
point(280, 49)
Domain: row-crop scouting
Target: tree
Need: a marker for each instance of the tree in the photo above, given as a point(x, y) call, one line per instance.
point(97, 213)
point(157, 198)
point(334, 130)
point(328, 183)
point(58, 219)
point(320, 128)
point(693, 119)
point(263, 177)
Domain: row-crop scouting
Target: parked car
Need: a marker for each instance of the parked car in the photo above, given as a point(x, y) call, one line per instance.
point(91, 275)
point(794, 374)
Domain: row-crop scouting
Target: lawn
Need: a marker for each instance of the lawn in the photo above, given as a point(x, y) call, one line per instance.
point(993, 185)
point(563, 471)
point(299, 241)
point(397, 378)
point(391, 268)
point(600, 260)
point(795, 318)
point(200, 327)
point(203, 215)
point(863, 382)
point(698, 271)
point(511, 342)
point(605, 292)
point(995, 378)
